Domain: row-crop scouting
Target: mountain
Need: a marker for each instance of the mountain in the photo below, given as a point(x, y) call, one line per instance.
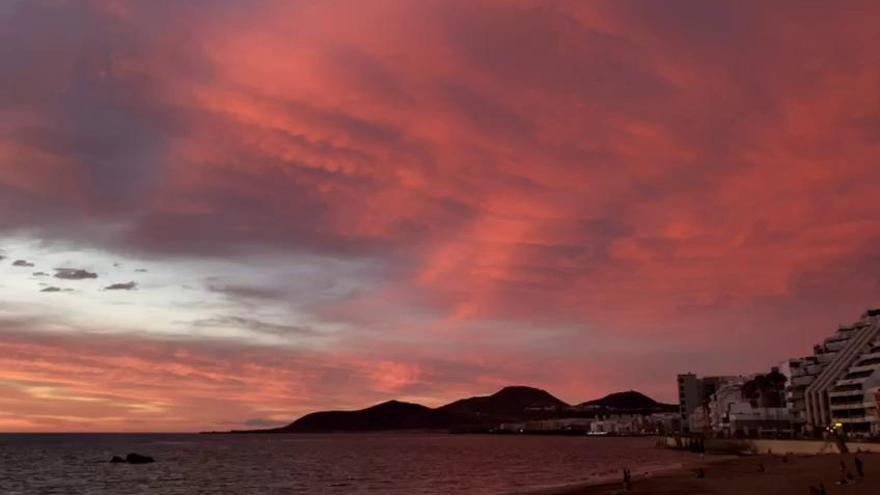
point(508, 403)
point(631, 401)
point(391, 415)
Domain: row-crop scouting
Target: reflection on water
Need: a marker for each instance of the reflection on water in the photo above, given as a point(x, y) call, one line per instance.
point(316, 464)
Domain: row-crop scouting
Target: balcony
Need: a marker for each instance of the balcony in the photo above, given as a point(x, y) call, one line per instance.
point(826, 357)
point(851, 381)
point(844, 393)
point(835, 345)
point(854, 405)
point(865, 367)
point(859, 419)
point(870, 356)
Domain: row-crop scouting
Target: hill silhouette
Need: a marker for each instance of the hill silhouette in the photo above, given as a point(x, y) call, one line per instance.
point(508, 403)
point(630, 401)
point(514, 403)
point(391, 415)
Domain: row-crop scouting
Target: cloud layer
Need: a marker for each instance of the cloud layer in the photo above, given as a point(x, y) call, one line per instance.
point(447, 189)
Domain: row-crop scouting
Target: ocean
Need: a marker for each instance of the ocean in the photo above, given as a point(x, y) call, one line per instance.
point(343, 464)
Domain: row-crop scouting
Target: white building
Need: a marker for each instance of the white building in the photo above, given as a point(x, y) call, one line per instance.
point(752, 406)
point(853, 400)
point(719, 407)
point(801, 373)
point(547, 425)
point(694, 397)
point(635, 424)
point(835, 384)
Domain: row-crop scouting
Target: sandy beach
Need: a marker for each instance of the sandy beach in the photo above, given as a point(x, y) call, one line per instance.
point(743, 476)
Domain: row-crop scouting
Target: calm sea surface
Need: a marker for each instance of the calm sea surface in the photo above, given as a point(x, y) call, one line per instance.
point(392, 464)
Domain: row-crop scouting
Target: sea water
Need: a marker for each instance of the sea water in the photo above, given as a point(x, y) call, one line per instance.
point(343, 464)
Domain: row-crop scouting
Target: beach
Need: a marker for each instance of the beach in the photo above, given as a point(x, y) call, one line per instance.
point(793, 475)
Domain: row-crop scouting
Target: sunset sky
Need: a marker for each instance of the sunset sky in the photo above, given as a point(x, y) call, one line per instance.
point(264, 208)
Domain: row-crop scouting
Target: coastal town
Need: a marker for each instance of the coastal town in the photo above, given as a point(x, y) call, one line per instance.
point(439, 247)
point(836, 389)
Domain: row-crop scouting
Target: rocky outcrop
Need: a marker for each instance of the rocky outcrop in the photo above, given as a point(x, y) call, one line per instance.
point(132, 458)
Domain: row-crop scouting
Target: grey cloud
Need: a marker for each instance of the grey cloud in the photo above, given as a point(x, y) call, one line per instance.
point(119, 146)
point(246, 292)
point(55, 289)
point(40, 274)
point(141, 270)
point(122, 286)
point(74, 274)
point(63, 61)
point(255, 325)
point(23, 263)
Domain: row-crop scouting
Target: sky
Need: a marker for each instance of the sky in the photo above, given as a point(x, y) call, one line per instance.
point(225, 214)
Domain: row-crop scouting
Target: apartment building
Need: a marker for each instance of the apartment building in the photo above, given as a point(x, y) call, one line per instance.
point(853, 400)
point(753, 406)
point(802, 372)
point(694, 397)
point(836, 383)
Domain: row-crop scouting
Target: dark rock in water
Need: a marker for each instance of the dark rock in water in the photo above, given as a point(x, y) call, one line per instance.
point(138, 459)
point(133, 458)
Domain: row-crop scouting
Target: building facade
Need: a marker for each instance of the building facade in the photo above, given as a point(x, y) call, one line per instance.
point(838, 386)
point(853, 400)
point(753, 406)
point(848, 364)
point(801, 373)
point(694, 399)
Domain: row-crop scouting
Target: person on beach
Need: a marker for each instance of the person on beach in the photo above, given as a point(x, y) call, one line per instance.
point(627, 479)
point(860, 467)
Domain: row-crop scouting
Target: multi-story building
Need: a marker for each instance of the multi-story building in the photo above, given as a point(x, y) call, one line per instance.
point(753, 406)
point(801, 372)
point(694, 396)
point(833, 385)
point(853, 400)
point(837, 386)
point(725, 397)
point(635, 424)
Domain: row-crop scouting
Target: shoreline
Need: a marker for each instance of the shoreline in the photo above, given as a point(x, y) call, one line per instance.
point(729, 475)
point(613, 482)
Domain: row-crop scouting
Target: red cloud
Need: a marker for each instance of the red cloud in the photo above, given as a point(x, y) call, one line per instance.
point(629, 173)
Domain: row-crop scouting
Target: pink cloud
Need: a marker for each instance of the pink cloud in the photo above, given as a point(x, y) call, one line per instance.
point(679, 176)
